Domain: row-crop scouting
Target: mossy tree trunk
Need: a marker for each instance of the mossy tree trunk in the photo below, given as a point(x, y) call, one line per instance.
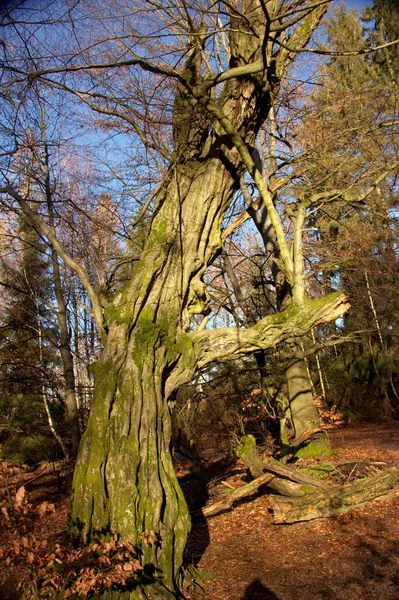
point(304, 415)
point(124, 480)
point(303, 412)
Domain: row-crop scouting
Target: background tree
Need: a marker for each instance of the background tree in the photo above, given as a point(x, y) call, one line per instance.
point(353, 130)
point(30, 404)
point(384, 20)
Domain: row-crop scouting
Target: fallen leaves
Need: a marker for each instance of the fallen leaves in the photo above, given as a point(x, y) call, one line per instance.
point(19, 498)
point(240, 546)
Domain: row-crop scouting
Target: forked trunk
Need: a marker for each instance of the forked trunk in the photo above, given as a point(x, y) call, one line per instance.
point(124, 480)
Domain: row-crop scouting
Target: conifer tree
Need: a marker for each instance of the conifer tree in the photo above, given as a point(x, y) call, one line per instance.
point(350, 140)
point(383, 16)
point(26, 354)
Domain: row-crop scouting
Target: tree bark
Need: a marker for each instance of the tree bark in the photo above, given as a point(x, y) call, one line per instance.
point(124, 479)
point(65, 347)
point(334, 501)
point(304, 414)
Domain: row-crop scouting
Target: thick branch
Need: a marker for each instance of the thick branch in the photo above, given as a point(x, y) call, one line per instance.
point(140, 62)
point(248, 453)
point(257, 176)
point(230, 343)
point(335, 53)
point(256, 205)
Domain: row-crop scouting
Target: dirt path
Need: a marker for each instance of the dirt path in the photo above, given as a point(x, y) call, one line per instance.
point(351, 557)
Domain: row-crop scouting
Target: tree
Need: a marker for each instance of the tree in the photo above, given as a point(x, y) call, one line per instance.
point(326, 168)
point(124, 480)
point(353, 120)
point(384, 16)
point(29, 404)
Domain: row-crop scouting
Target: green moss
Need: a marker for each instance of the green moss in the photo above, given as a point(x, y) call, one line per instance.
point(284, 434)
point(295, 312)
point(315, 303)
point(118, 310)
point(184, 344)
point(307, 489)
point(148, 334)
point(322, 470)
point(88, 479)
point(184, 348)
point(199, 297)
point(281, 317)
point(315, 448)
point(159, 234)
point(247, 443)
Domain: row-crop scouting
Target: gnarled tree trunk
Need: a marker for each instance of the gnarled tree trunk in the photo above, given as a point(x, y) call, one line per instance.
point(124, 480)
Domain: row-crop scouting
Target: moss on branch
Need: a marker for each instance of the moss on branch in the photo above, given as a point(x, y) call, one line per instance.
point(295, 321)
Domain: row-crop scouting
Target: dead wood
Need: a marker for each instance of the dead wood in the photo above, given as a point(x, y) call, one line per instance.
point(291, 474)
point(247, 451)
point(334, 501)
point(237, 494)
point(302, 497)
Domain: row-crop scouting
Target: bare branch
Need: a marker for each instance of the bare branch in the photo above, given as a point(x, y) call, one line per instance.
point(322, 52)
point(40, 224)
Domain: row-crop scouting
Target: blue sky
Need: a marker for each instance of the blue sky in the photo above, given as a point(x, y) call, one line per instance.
point(359, 4)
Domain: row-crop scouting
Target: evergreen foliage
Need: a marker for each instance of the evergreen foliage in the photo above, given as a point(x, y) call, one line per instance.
point(355, 244)
point(383, 16)
point(27, 355)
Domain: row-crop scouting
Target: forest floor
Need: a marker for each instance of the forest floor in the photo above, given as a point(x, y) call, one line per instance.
point(351, 557)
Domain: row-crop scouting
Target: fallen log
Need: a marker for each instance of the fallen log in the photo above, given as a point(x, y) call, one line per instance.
point(302, 497)
point(333, 501)
point(237, 494)
point(292, 474)
point(248, 453)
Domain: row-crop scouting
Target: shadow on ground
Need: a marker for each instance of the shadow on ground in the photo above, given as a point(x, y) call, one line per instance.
point(257, 591)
